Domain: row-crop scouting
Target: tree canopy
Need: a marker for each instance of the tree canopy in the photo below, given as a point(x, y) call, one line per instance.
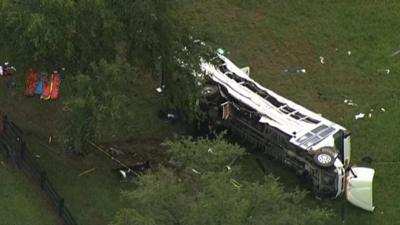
point(91, 39)
point(204, 190)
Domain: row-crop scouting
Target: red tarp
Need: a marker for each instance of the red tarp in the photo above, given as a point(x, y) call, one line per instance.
point(31, 82)
point(51, 87)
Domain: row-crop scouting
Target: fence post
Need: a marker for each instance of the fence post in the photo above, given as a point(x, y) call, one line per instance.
point(42, 179)
point(61, 207)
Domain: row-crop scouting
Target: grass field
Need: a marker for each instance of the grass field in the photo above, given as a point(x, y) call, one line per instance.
point(93, 199)
point(20, 202)
point(272, 36)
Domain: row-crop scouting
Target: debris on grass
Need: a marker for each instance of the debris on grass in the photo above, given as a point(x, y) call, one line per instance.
point(285, 71)
point(386, 71)
point(301, 71)
point(87, 172)
point(235, 183)
point(195, 171)
point(348, 52)
point(395, 53)
point(359, 116)
point(159, 90)
point(115, 152)
point(349, 102)
point(383, 109)
point(37, 156)
point(322, 59)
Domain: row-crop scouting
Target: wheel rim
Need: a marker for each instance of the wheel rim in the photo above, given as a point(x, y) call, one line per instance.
point(324, 159)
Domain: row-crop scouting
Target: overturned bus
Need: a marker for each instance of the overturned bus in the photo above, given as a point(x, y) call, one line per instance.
point(313, 146)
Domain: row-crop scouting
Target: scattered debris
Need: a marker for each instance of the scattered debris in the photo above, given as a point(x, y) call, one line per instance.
point(172, 116)
point(322, 59)
point(86, 172)
point(159, 90)
point(195, 171)
point(123, 174)
point(115, 152)
point(387, 71)
point(129, 172)
point(301, 71)
point(349, 102)
point(359, 116)
point(285, 71)
point(235, 183)
point(395, 53)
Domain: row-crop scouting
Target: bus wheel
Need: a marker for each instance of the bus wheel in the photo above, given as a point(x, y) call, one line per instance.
point(324, 158)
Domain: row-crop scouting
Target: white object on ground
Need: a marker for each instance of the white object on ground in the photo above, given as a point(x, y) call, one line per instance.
point(395, 53)
point(171, 116)
point(370, 115)
point(210, 150)
point(349, 102)
point(359, 116)
point(123, 173)
point(348, 52)
point(159, 90)
point(383, 109)
point(235, 183)
point(387, 71)
point(322, 59)
point(195, 171)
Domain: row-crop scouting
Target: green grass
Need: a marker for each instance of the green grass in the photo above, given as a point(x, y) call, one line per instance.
point(21, 202)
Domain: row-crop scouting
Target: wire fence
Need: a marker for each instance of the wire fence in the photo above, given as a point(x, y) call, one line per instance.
point(16, 153)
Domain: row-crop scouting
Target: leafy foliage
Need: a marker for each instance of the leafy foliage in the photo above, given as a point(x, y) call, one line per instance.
point(212, 195)
point(97, 103)
point(204, 155)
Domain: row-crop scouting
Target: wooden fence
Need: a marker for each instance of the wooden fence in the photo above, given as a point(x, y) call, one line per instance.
point(16, 153)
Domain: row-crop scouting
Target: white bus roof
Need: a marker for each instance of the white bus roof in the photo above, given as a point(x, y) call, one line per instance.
point(305, 127)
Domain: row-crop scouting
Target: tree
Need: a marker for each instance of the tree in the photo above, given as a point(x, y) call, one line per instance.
point(96, 107)
point(170, 47)
point(55, 33)
point(204, 190)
